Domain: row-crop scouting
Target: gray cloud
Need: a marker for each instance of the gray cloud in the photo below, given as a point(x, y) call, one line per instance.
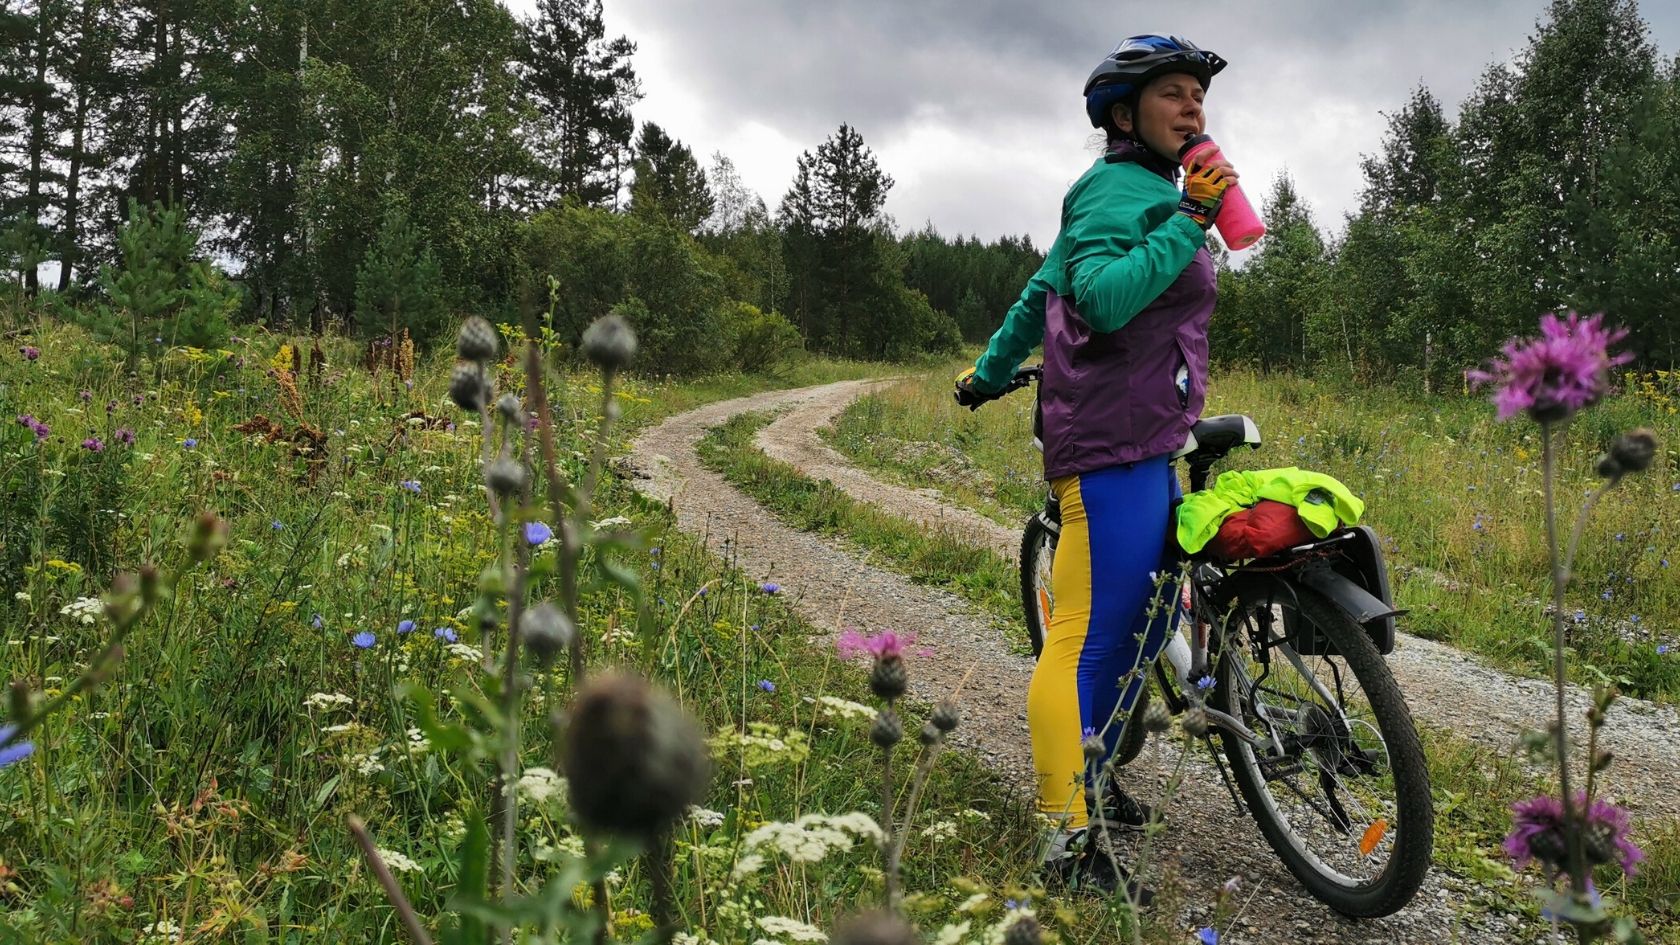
point(974, 106)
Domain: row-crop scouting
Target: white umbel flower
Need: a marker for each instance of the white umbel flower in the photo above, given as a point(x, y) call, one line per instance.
point(791, 929)
point(398, 862)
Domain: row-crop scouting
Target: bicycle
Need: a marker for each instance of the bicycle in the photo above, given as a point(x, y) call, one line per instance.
point(1335, 780)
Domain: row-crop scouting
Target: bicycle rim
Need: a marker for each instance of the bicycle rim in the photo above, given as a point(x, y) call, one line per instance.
point(1333, 792)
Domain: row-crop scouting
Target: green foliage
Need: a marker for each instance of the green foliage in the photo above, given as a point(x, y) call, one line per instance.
point(669, 182)
point(974, 283)
point(760, 342)
point(399, 284)
point(163, 292)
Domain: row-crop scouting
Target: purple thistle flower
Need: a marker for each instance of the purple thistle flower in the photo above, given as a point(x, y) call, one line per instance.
point(1556, 374)
point(16, 751)
point(882, 645)
point(537, 532)
point(29, 352)
point(84, 395)
point(770, 587)
point(364, 640)
point(445, 634)
point(93, 444)
point(110, 406)
point(766, 685)
point(406, 626)
point(1537, 832)
point(124, 435)
point(412, 485)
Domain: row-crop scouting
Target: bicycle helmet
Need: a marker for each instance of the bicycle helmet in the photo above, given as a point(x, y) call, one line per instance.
point(1126, 70)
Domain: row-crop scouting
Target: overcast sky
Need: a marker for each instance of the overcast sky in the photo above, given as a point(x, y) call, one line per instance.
point(973, 106)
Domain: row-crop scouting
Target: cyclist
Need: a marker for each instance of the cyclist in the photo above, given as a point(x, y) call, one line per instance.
point(1121, 305)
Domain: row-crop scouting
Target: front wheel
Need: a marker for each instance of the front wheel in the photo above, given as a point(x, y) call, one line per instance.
point(1342, 792)
point(1038, 553)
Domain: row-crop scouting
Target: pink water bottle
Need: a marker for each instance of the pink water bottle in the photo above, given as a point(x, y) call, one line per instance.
point(1239, 226)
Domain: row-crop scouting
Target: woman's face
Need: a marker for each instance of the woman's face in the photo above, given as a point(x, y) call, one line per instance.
point(1169, 111)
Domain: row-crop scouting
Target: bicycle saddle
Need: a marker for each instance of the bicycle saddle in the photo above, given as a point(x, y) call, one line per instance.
point(1213, 437)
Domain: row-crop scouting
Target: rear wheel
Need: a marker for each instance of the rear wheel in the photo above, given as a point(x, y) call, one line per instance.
point(1342, 794)
point(1038, 553)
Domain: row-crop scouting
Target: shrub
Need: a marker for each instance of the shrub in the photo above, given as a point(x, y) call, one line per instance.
point(163, 293)
point(759, 341)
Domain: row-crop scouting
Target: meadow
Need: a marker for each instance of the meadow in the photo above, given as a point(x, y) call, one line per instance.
point(1454, 493)
point(321, 658)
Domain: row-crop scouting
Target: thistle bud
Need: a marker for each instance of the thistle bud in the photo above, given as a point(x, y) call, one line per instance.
point(21, 705)
point(874, 928)
point(931, 735)
point(468, 388)
point(946, 715)
point(889, 678)
point(1025, 931)
point(478, 340)
point(1093, 748)
point(1195, 722)
point(209, 535)
point(508, 406)
point(506, 476)
point(609, 343)
point(546, 631)
point(633, 758)
point(1156, 718)
point(887, 730)
point(1633, 451)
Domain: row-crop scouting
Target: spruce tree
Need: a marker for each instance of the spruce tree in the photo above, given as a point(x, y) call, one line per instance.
point(581, 86)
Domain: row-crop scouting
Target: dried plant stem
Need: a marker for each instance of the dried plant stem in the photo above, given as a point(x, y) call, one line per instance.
point(887, 833)
point(664, 898)
point(924, 767)
point(537, 400)
point(393, 892)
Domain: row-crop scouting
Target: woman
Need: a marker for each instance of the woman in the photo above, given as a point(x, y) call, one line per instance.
point(1122, 306)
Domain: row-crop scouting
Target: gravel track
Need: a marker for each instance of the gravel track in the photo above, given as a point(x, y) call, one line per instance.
point(833, 585)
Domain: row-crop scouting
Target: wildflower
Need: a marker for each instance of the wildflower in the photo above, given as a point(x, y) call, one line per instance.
point(29, 352)
point(277, 526)
point(364, 640)
point(84, 395)
point(468, 387)
point(1580, 616)
point(547, 630)
point(1205, 683)
point(412, 485)
point(770, 588)
point(792, 929)
point(317, 622)
point(1662, 649)
point(834, 707)
point(766, 685)
point(704, 818)
point(397, 861)
point(1207, 936)
point(813, 837)
point(1606, 595)
point(124, 435)
point(327, 700)
point(537, 533)
point(1556, 374)
point(477, 340)
point(1537, 833)
point(84, 610)
point(886, 643)
point(93, 444)
point(13, 752)
point(540, 784)
point(189, 443)
point(445, 634)
point(505, 476)
point(609, 343)
point(405, 626)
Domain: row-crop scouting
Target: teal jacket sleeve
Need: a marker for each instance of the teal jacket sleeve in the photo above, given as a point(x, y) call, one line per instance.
point(1125, 243)
point(1021, 332)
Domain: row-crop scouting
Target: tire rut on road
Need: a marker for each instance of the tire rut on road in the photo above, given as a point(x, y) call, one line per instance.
point(1207, 841)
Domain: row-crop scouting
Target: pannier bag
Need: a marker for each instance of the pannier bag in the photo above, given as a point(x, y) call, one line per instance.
point(1266, 529)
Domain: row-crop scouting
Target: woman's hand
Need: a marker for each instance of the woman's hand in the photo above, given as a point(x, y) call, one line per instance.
point(1219, 162)
point(1204, 191)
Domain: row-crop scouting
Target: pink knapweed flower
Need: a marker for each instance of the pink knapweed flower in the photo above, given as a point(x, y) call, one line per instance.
point(851, 644)
point(1552, 376)
point(1537, 833)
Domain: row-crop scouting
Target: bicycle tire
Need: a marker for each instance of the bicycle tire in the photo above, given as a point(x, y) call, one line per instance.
point(1038, 540)
point(1413, 846)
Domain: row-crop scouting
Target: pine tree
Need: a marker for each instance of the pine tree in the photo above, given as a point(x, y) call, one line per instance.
point(669, 182)
point(581, 86)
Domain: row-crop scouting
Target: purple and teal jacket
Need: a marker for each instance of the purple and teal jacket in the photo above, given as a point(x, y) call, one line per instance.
point(1121, 305)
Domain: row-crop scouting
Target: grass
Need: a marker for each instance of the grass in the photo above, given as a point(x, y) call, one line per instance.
point(935, 557)
point(1454, 493)
point(198, 795)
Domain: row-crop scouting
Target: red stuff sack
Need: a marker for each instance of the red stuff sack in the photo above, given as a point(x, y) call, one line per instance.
point(1264, 529)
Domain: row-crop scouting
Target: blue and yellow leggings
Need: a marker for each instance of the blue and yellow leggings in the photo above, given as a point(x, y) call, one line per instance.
point(1114, 526)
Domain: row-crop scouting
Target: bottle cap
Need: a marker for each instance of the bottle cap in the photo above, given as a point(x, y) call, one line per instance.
point(1192, 143)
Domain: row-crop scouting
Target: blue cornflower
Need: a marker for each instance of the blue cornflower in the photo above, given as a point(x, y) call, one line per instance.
point(16, 751)
point(189, 443)
point(537, 532)
point(364, 640)
point(1087, 731)
point(1207, 936)
point(406, 626)
point(766, 685)
point(1633, 618)
point(412, 485)
point(1606, 595)
point(1205, 683)
point(277, 525)
point(445, 634)
point(1580, 616)
point(702, 592)
point(1621, 537)
point(317, 622)
point(755, 627)
point(1662, 649)
point(770, 587)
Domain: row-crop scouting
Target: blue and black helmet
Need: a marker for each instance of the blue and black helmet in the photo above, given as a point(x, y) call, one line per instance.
point(1137, 59)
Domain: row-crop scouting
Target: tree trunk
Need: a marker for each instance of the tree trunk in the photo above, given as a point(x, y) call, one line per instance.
point(70, 251)
point(38, 97)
